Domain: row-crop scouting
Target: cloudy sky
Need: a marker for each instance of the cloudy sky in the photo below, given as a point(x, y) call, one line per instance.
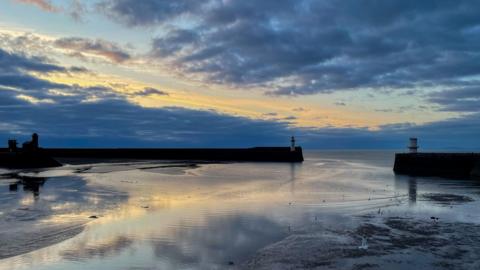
point(336, 74)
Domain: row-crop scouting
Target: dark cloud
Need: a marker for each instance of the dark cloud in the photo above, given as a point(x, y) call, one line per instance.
point(310, 46)
point(27, 82)
point(12, 62)
point(147, 12)
point(115, 122)
point(459, 132)
point(101, 116)
point(466, 99)
point(17, 81)
point(78, 69)
point(7, 98)
point(15, 74)
point(148, 91)
point(80, 46)
point(173, 42)
point(111, 121)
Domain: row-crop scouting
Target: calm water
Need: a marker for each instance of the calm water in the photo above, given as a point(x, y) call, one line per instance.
point(158, 215)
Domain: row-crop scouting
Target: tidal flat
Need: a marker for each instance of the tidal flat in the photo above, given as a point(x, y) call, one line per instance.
point(336, 210)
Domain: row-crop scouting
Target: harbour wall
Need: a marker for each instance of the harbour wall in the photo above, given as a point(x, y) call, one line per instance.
point(256, 154)
point(454, 165)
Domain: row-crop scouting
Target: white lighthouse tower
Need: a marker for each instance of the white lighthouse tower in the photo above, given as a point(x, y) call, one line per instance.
point(292, 145)
point(413, 146)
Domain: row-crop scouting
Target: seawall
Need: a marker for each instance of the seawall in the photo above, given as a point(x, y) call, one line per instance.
point(256, 154)
point(455, 165)
point(20, 160)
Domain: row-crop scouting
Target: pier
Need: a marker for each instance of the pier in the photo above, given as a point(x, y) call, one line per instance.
point(455, 165)
point(257, 154)
point(452, 165)
point(31, 155)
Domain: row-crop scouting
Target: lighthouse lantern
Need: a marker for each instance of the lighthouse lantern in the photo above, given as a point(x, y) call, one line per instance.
point(413, 146)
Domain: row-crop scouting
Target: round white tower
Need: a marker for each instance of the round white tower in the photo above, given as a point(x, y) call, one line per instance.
point(413, 146)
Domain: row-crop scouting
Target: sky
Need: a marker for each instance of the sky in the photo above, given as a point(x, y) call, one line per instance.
point(352, 74)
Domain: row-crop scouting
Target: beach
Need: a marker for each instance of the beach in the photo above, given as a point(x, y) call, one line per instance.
point(336, 210)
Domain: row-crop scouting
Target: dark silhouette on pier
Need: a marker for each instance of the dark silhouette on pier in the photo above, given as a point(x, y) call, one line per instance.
point(32, 145)
point(29, 156)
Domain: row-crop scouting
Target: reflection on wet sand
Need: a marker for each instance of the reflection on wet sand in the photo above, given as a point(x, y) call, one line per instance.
point(219, 241)
point(412, 190)
point(249, 215)
point(31, 184)
point(435, 190)
point(40, 211)
point(292, 177)
point(105, 248)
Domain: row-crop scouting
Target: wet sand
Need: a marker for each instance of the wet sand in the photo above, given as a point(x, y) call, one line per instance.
point(391, 243)
point(32, 224)
point(337, 210)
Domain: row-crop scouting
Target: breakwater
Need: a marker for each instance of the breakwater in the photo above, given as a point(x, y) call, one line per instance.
point(257, 154)
point(455, 165)
point(31, 155)
point(21, 160)
point(47, 157)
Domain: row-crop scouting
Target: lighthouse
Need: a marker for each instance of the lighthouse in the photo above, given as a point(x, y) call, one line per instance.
point(413, 146)
point(292, 145)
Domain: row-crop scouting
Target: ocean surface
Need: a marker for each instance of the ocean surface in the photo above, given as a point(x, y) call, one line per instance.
point(338, 209)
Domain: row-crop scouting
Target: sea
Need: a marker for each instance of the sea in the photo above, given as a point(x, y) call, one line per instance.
point(336, 210)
